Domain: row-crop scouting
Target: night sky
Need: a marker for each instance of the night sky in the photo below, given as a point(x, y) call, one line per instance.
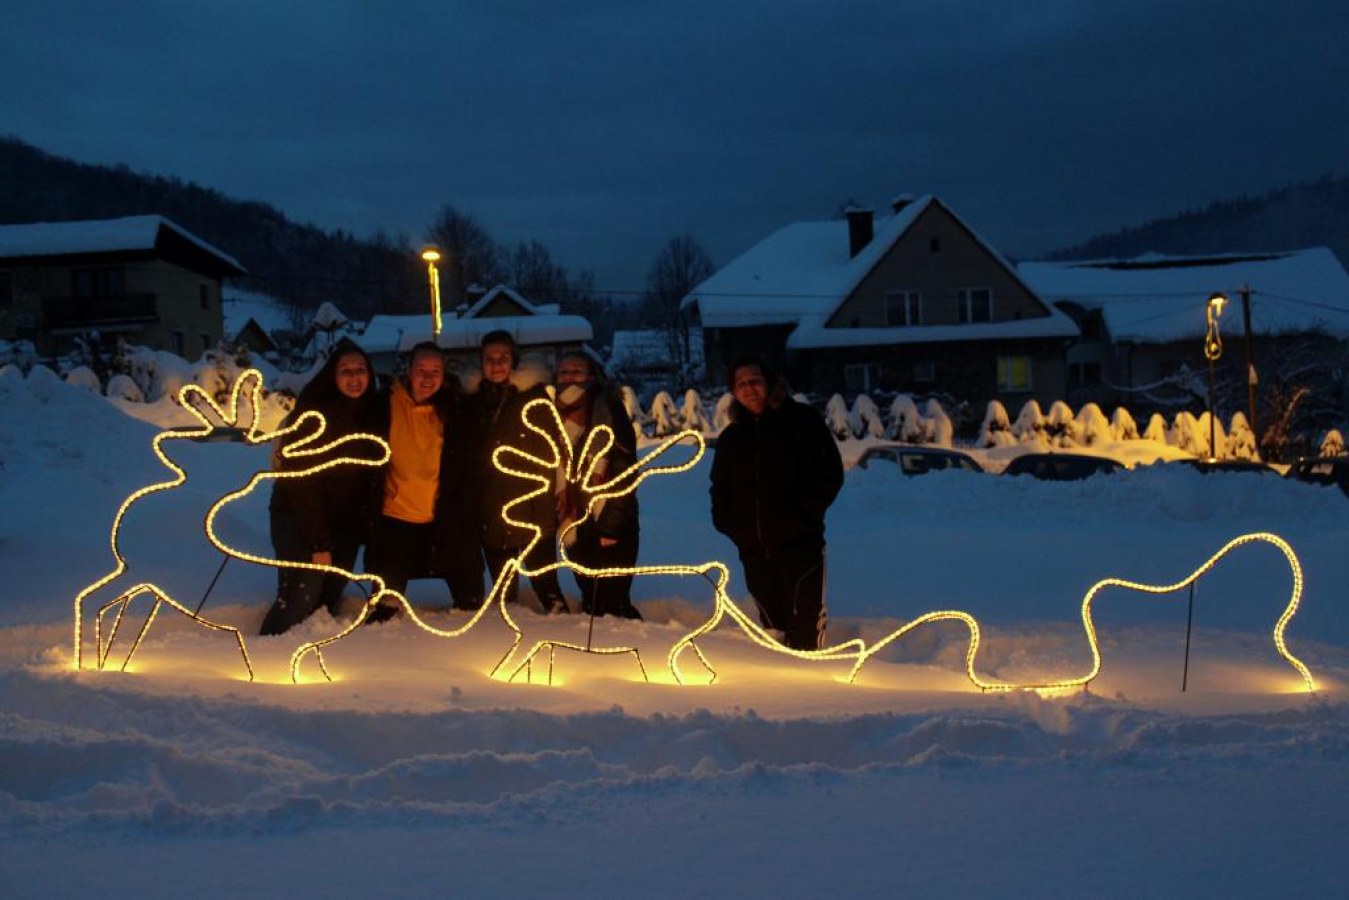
point(603, 129)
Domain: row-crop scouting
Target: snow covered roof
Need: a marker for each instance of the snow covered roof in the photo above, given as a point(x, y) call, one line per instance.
point(98, 236)
point(798, 270)
point(1157, 299)
point(812, 334)
point(386, 334)
point(239, 306)
point(500, 291)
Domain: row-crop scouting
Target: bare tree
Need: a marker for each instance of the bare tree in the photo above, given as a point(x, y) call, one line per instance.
point(532, 272)
point(469, 254)
point(678, 268)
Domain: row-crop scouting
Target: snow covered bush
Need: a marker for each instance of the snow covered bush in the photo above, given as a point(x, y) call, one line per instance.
point(664, 417)
point(84, 378)
point(1061, 427)
point(836, 417)
point(996, 430)
point(1157, 430)
point(692, 415)
point(1093, 427)
point(865, 418)
point(43, 382)
point(939, 429)
point(1122, 425)
point(1183, 435)
point(906, 423)
point(1332, 444)
point(1029, 427)
point(721, 414)
point(124, 387)
point(633, 407)
point(1240, 439)
point(21, 354)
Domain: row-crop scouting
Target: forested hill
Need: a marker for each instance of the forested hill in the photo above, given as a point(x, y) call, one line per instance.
point(300, 263)
point(1314, 214)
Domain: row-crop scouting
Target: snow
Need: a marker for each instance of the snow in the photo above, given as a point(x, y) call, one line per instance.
point(387, 334)
point(1157, 299)
point(416, 774)
point(240, 305)
point(95, 236)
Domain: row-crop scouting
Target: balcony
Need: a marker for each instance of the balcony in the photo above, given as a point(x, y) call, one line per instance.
point(100, 312)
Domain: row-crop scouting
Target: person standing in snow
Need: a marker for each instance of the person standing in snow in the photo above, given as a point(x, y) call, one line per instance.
point(608, 538)
point(775, 473)
point(427, 527)
point(325, 517)
point(496, 413)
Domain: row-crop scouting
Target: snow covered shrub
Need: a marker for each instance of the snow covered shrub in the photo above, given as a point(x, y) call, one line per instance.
point(633, 407)
point(865, 418)
point(1029, 427)
point(1093, 427)
point(22, 354)
point(664, 417)
point(1182, 434)
point(1240, 439)
point(1157, 430)
point(124, 387)
point(939, 429)
point(1201, 436)
point(721, 413)
point(906, 423)
point(1332, 444)
point(83, 377)
point(996, 430)
point(1061, 427)
point(836, 417)
point(42, 382)
point(692, 415)
point(1123, 426)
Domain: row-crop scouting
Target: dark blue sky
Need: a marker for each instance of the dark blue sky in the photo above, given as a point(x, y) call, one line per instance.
point(604, 128)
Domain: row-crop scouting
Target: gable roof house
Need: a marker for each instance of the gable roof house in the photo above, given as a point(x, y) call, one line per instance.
point(142, 278)
point(1144, 320)
point(916, 301)
point(542, 333)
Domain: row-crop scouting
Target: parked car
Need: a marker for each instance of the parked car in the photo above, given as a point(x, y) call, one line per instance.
point(1322, 470)
point(1062, 466)
point(1206, 466)
point(916, 460)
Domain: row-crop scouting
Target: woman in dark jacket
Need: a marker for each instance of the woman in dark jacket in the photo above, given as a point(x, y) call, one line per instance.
point(496, 409)
point(323, 518)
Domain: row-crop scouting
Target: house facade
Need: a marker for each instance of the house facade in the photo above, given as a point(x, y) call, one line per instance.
point(914, 302)
point(140, 278)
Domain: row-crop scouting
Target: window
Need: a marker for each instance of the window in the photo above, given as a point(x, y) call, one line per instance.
point(975, 305)
point(1014, 374)
point(924, 370)
point(178, 342)
point(204, 296)
point(903, 308)
point(859, 378)
point(97, 283)
point(205, 341)
point(1084, 373)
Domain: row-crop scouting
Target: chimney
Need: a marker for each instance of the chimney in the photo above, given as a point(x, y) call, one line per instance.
point(900, 201)
point(861, 229)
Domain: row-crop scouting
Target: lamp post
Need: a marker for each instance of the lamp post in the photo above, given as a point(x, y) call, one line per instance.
point(1213, 349)
point(432, 256)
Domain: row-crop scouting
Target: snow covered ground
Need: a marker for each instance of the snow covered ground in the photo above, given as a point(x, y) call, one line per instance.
point(416, 774)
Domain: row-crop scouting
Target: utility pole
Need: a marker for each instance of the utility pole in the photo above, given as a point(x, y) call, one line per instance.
point(1252, 380)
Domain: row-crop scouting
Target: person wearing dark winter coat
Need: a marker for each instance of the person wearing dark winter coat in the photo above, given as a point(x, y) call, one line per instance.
point(775, 473)
point(609, 537)
point(496, 412)
point(325, 517)
point(427, 523)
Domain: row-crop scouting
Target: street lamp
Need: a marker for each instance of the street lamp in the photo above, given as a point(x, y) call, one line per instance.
point(1213, 349)
point(432, 256)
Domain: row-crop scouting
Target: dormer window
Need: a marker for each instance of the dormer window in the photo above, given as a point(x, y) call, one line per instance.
point(974, 305)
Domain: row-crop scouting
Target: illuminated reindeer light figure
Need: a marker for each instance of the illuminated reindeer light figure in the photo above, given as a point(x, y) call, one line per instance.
point(300, 441)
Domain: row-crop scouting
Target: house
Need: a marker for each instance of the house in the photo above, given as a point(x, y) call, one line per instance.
point(916, 301)
point(141, 278)
point(540, 330)
point(1144, 320)
point(643, 359)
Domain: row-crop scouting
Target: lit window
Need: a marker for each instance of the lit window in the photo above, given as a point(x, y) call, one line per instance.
point(1014, 374)
point(975, 305)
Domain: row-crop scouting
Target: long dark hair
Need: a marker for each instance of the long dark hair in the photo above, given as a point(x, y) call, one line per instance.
point(321, 392)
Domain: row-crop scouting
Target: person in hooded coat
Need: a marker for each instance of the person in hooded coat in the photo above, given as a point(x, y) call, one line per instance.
point(775, 473)
point(323, 518)
point(609, 537)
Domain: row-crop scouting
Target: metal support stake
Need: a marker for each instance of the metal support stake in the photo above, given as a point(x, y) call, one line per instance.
point(210, 587)
point(1189, 622)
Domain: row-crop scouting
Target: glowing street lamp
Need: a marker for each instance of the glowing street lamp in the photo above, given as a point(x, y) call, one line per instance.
point(432, 256)
point(1213, 349)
